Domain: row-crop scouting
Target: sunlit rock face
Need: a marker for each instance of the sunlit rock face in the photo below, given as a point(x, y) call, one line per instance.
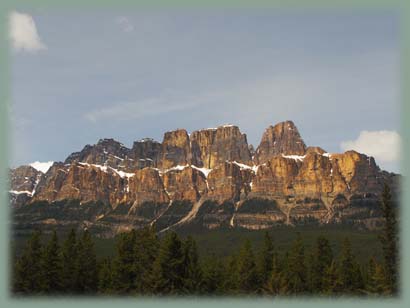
point(214, 146)
point(211, 177)
point(175, 149)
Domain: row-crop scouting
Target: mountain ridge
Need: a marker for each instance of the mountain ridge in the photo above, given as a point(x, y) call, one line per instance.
point(217, 173)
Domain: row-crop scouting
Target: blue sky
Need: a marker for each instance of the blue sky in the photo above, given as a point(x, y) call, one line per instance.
point(133, 74)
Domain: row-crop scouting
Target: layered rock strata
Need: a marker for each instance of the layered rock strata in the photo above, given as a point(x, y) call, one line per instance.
point(216, 177)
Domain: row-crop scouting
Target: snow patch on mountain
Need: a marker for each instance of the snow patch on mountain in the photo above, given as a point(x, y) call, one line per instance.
point(205, 171)
point(122, 174)
point(15, 192)
point(295, 157)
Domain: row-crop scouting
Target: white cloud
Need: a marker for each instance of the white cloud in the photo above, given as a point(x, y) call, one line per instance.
point(383, 145)
point(23, 33)
point(125, 24)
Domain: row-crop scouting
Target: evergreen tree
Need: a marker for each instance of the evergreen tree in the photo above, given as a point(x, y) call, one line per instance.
point(168, 271)
point(145, 252)
point(146, 265)
point(389, 239)
point(296, 275)
point(86, 266)
point(284, 287)
point(214, 276)
point(193, 271)
point(232, 275)
point(376, 280)
point(105, 280)
point(276, 282)
point(29, 271)
point(351, 280)
point(265, 260)
point(247, 272)
point(69, 262)
point(321, 260)
point(311, 274)
point(52, 266)
point(331, 280)
point(358, 278)
point(124, 276)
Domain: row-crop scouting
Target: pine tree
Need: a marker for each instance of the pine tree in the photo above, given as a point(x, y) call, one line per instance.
point(376, 280)
point(247, 272)
point(311, 274)
point(331, 280)
point(168, 271)
point(124, 276)
point(86, 266)
point(276, 281)
point(351, 280)
point(52, 266)
point(105, 280)
point(29, 271)
point(296, 272)
point(232, 275)
point(284, 287)
point(321, 260)
point(145, 252)
point(369, 272)
point(69, 260)
point(389, 240)
point(214, 276)
point(265, 260)
point(193, 271)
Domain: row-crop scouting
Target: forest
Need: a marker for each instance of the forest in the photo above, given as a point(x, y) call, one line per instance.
point(146, 264)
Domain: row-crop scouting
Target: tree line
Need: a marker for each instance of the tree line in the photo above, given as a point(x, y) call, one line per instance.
point(145, 264)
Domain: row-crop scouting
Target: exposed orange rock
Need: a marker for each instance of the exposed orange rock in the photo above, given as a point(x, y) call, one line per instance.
point(283, 138)
point(176, 149)
point(186, 184)
point(228, 182)
point(147, 186)
point(302, 183)
point(212, 147)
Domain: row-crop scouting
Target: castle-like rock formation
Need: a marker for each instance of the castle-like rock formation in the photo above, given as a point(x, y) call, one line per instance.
point(211, 177)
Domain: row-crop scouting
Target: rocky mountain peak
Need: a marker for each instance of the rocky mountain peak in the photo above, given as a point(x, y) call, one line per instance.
point(176, 149)
point(208, 176)
point(283, 138)
point(105, 152)
point(211, 147)
point(24, 179)
point(145, 153)
point(110, 142)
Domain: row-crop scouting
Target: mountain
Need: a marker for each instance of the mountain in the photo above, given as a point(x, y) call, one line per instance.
point(209, 178)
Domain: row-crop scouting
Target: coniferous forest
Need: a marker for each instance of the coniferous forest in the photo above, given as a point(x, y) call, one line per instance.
point(145, 264)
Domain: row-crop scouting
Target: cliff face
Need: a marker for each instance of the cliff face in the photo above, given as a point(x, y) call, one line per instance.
point(23, 184)
point(214, 146)
point(283, 138)
point(24, 179)
point(176, 149)
point(145, 153)
point(185, 183)
point(208, 178)
point(106, 151)
point(81, 181)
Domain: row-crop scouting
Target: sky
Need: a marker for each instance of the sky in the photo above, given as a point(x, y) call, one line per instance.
point(78, 76)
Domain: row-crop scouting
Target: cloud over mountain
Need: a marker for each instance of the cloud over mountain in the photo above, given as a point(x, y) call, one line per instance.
point(383, 145)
